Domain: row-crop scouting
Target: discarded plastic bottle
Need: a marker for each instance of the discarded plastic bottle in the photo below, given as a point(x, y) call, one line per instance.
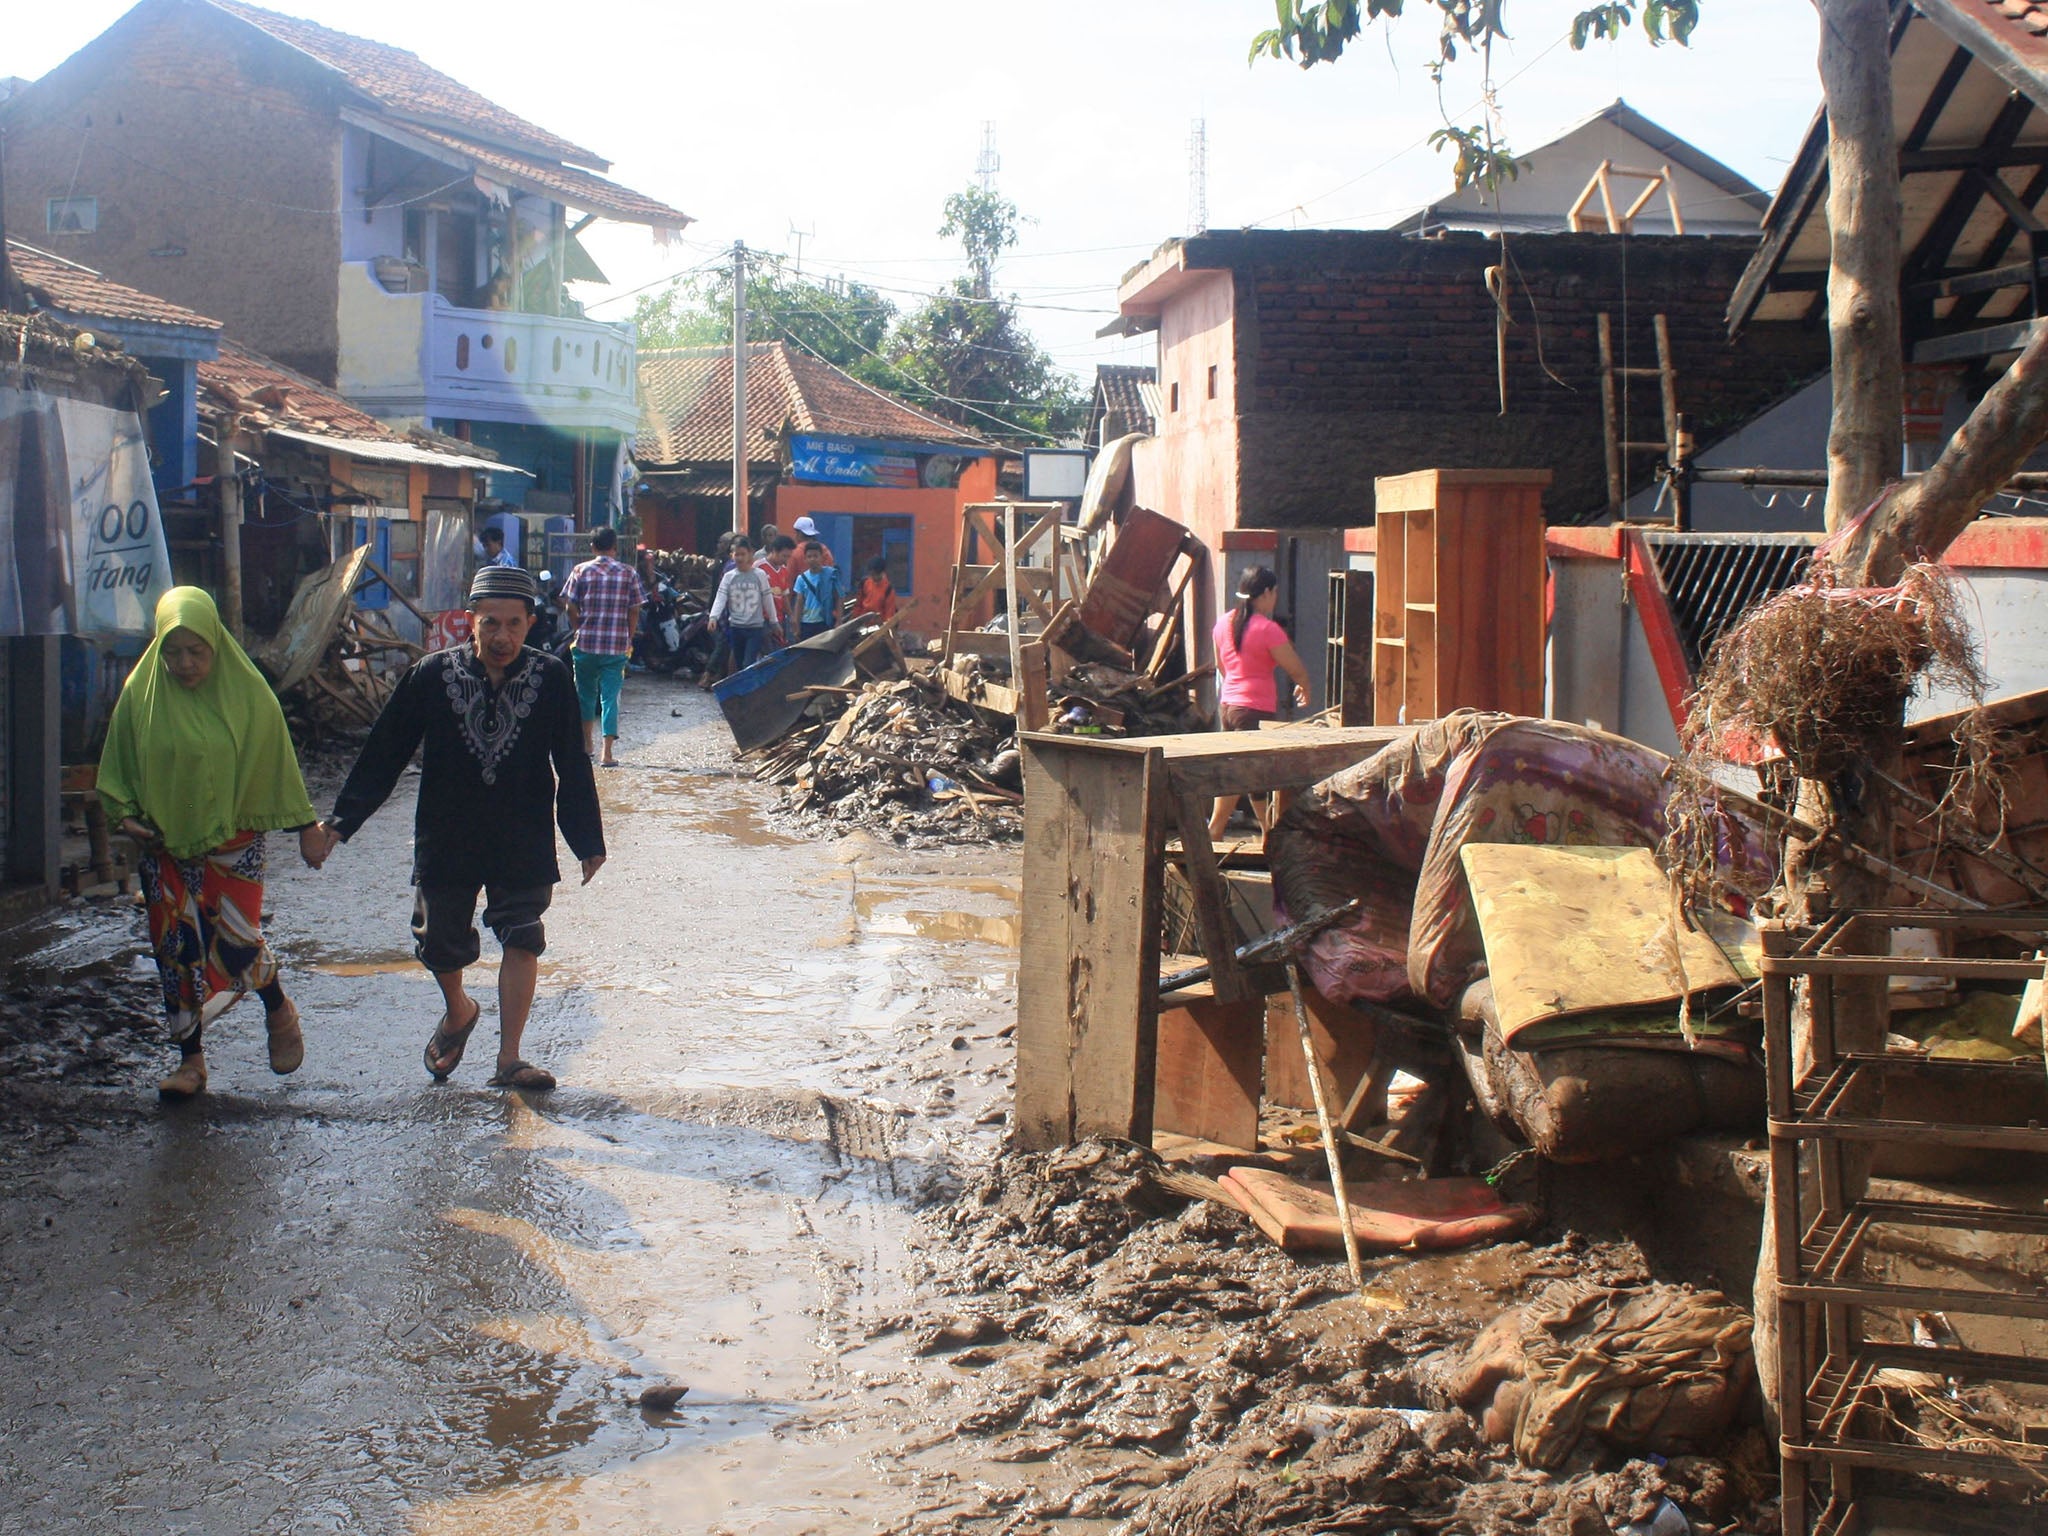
point(938, 783)
point(1669, 1520)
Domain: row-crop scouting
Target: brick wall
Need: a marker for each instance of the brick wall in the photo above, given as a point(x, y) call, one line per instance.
point(1366, 354)
point(215, 157)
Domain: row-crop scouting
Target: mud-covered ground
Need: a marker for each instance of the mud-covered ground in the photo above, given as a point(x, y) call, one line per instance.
point(351, 1300)
point(1128, 1354)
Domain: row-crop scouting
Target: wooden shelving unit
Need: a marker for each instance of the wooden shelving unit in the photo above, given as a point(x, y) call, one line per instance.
point(1458, 593)
point(1837, 1385)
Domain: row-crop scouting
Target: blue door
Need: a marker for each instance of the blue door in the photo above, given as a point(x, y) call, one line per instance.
point(377, 531)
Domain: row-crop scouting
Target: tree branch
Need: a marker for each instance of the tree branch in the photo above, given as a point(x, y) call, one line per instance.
point(1921, 518)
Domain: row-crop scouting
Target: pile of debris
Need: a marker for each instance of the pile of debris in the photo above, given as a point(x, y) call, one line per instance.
point(688, 572)
point(333, 663)
point(1095, 699)
point(904, 758)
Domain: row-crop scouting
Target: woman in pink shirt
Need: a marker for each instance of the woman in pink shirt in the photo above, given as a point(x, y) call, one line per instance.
point(1250, 648)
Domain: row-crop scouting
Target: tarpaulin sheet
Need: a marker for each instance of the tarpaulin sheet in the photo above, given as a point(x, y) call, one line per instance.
point(1391, 831)
point(81, 542)
point(757, 701)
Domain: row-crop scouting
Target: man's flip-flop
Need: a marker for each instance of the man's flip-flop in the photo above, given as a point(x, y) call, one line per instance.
point(447, 1045)
point(523, 1074)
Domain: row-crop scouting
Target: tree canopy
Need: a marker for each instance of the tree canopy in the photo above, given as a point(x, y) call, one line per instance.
point(963, 353)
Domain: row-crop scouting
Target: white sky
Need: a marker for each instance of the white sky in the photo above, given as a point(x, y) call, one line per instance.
point(855, 120)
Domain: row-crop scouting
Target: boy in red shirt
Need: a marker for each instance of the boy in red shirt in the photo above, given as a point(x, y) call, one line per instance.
point(782, 573)
point(876, 595)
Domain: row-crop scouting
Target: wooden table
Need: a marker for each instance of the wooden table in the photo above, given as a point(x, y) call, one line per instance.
point(1097, 815)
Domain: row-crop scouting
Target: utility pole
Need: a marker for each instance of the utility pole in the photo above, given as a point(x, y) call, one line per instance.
point(739, 387)
point(228, 482)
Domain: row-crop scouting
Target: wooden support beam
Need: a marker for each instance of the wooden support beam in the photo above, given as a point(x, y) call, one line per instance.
point(1211, 897)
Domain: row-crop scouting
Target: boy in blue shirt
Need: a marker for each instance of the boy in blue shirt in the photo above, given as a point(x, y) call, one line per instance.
point(819, 592)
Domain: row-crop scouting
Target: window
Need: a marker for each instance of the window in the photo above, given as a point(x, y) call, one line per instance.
point(71, 215)
point(1212, 381)
point(1173, 397)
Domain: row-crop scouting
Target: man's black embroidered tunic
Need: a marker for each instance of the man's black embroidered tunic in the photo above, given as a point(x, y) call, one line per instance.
point(490, 759)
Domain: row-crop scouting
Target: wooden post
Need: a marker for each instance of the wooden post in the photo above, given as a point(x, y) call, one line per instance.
point(1088, 970)
point(1011, 594)
point(1610, 413)
point(228, 481)
point(1034, 686)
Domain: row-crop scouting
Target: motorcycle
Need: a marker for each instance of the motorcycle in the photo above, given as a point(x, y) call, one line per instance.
point(549, 633)
point(659, 644)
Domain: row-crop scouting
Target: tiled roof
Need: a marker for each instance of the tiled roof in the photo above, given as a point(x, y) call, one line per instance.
point(577, 188)
point(83, 294)
point(403, 84)
point(686, 405)
point(254, 385)
point(2028, 17)
point(269, 397)
point(1119, 390)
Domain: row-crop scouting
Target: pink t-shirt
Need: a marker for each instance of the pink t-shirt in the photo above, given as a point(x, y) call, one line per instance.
point(1247, 673)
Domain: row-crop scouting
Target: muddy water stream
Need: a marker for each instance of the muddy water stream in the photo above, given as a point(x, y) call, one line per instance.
point(354, 1301)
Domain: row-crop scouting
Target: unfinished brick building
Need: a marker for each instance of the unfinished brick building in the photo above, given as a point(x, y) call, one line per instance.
point(1295, 367)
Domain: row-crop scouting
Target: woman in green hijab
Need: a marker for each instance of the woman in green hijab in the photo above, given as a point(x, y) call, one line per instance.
point(198, 767)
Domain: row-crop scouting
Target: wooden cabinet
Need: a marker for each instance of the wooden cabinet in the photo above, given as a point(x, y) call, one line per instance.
point(1458, 593)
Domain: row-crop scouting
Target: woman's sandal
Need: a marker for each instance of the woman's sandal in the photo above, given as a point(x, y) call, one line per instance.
point(523, 1074)
point(287, 1040)
point(448, 1044)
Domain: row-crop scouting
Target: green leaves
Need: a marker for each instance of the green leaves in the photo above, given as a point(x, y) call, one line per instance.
point(1318, 32)
point(1479, 162)
point(1664, 21)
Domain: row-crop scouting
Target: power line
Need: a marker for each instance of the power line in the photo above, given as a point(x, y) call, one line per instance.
point(1401, 154)
point(915, 382)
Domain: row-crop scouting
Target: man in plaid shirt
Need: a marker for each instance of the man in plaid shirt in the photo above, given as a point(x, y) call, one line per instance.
point(602, 598)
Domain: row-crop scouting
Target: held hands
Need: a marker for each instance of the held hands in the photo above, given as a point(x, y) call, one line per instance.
point(591, 866)
point(316, 842)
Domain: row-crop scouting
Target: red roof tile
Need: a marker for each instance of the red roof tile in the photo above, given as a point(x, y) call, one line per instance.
point(405, 85)
point(574, 187)
point(83, 294)
point(686, 405)
point(275, 395)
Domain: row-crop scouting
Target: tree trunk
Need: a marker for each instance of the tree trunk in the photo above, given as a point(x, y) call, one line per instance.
point(1866, 437)
point(1866, 446)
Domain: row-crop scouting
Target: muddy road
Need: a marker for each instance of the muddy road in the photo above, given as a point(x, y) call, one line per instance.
point(352, 1300)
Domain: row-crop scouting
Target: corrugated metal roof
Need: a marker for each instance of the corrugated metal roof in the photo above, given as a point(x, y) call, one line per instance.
point(398, 451)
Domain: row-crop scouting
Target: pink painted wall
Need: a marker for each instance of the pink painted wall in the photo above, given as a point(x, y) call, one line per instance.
point(1189, 472)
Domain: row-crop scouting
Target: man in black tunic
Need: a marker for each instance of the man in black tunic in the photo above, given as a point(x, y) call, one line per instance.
point(497, 725)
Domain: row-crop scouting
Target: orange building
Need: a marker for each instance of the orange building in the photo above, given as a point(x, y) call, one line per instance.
point(877, 476)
